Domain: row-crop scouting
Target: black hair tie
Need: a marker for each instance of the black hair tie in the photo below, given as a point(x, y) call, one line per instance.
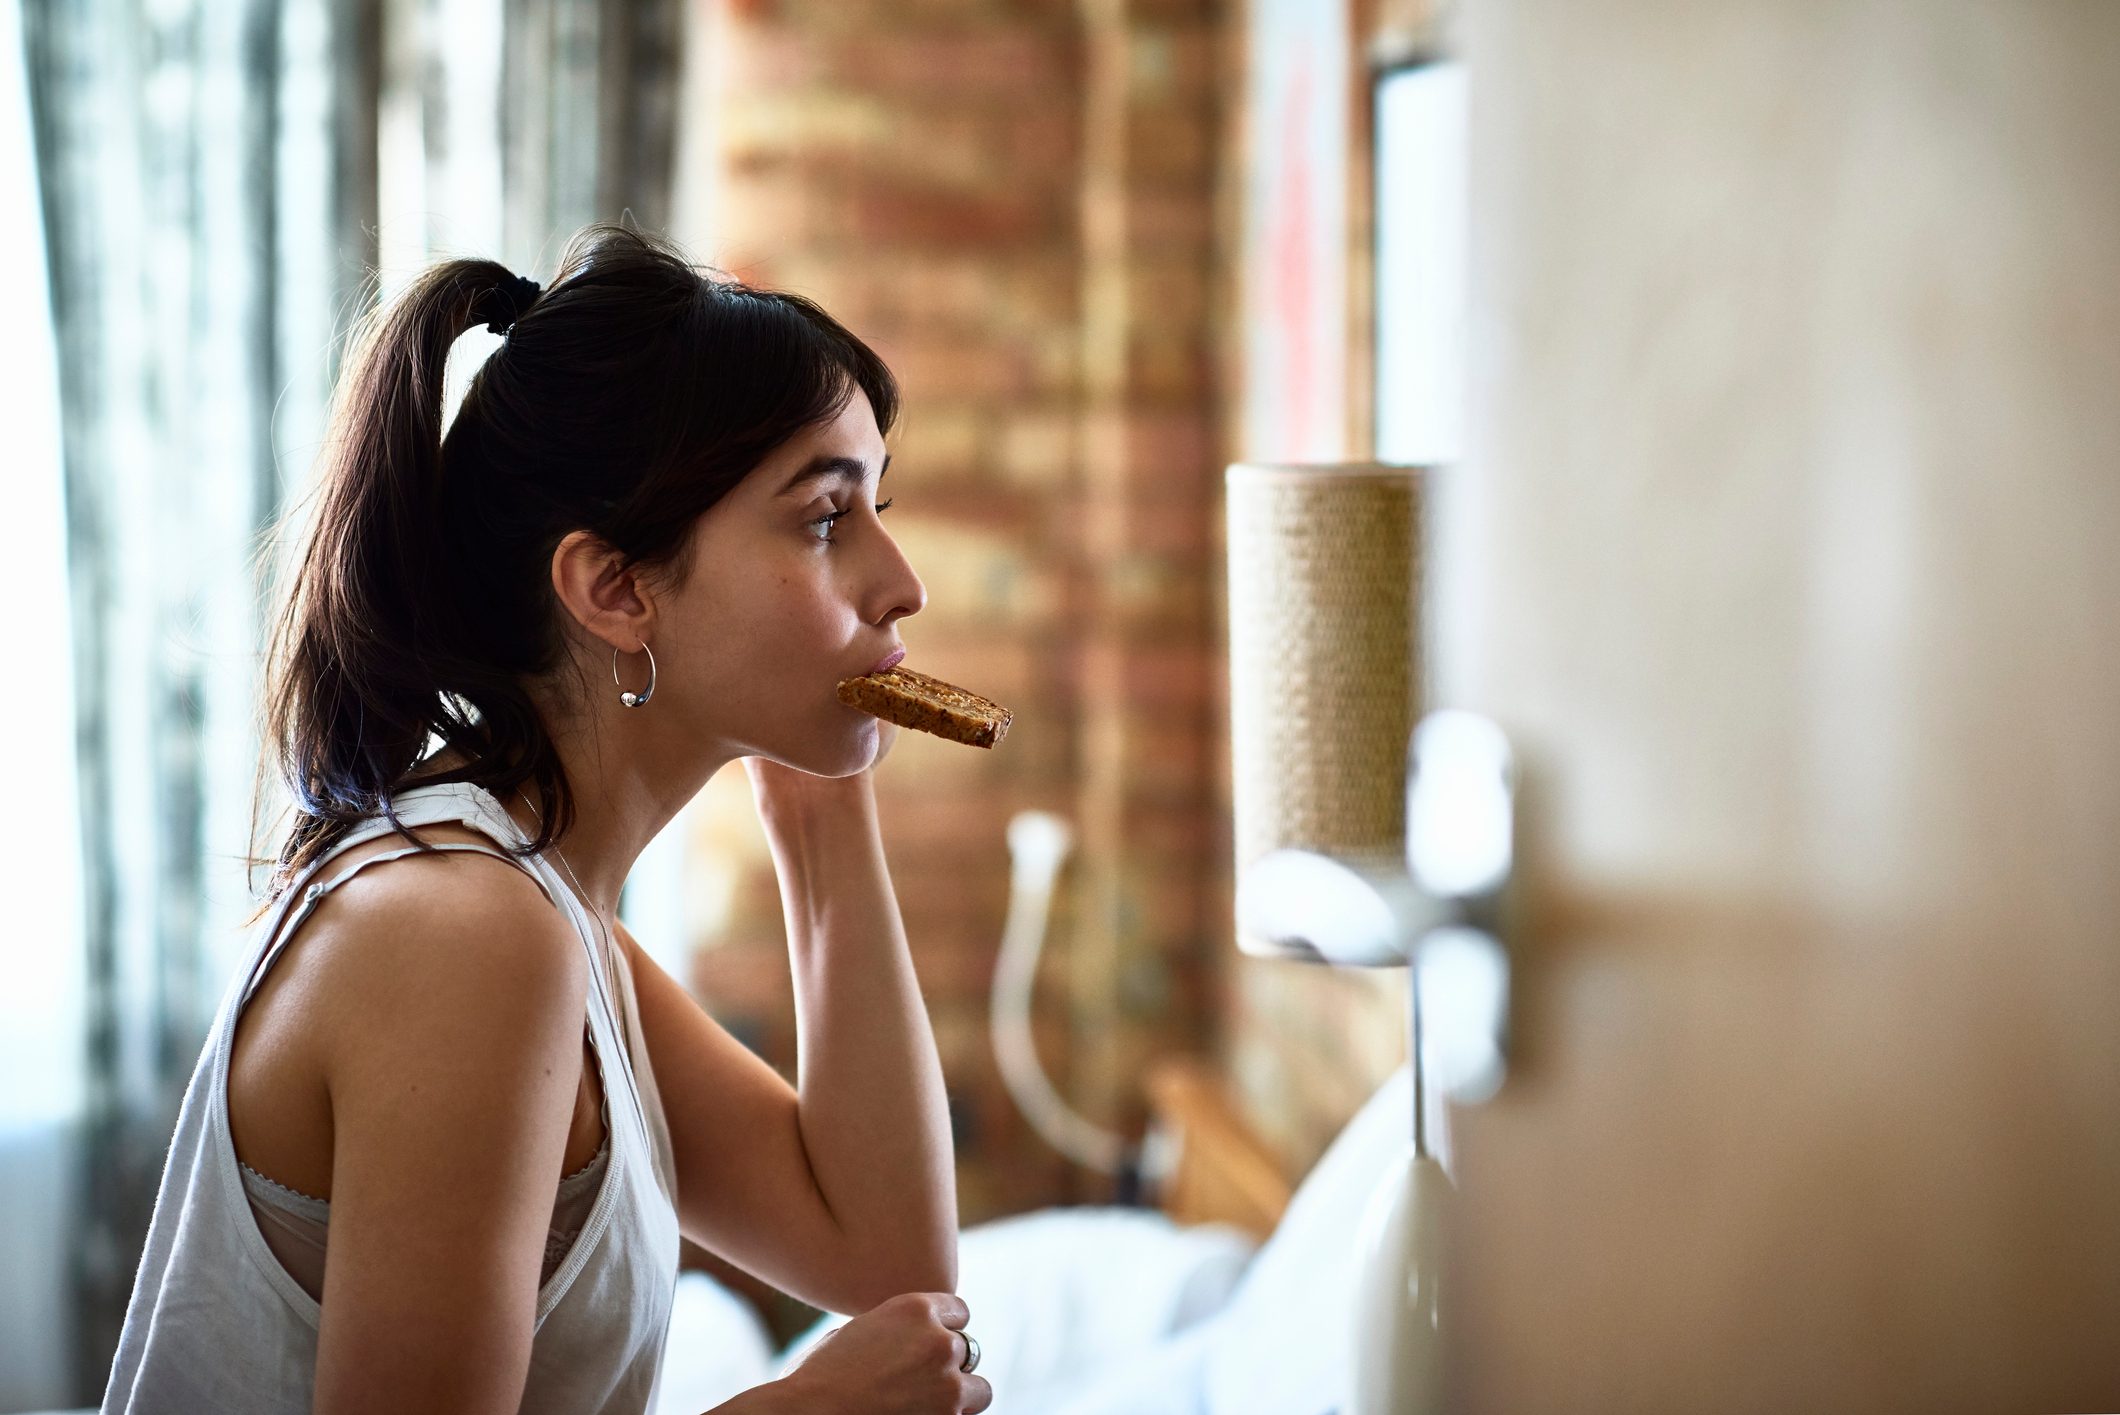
point(508, 301)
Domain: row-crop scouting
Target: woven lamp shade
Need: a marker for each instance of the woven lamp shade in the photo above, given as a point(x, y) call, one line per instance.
point(1323, 661)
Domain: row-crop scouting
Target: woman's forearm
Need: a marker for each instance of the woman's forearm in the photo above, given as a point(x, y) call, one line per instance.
point(872, 1109)
point(772, 1398)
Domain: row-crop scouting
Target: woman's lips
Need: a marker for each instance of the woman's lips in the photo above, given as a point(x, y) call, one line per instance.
point(888, 660)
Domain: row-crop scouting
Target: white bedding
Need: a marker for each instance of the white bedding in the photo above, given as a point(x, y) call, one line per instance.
point(1058, 1297)
point(1109, 1311)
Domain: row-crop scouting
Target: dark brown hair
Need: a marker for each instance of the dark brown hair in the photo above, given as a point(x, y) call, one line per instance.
point(628, 398)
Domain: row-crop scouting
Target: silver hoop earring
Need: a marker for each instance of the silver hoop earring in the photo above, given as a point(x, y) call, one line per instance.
point(641, 697)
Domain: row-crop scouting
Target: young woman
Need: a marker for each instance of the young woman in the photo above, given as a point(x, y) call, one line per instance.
point(649, 544)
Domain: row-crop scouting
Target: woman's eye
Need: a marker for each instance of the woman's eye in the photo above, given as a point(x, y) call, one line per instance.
point(826, 521)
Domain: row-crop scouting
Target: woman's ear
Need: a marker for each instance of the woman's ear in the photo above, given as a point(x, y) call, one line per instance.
point(605, 596)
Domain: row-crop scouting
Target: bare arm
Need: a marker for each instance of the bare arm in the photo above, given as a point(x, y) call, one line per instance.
point(453, 1052)
point(872, 1113)
point(755, 1203)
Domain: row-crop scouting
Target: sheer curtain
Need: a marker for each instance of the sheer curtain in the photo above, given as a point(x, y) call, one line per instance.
point(223, 185)
point(41, 995)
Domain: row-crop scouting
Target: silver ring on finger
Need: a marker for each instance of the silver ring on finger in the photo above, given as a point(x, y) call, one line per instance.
point(971, 1352)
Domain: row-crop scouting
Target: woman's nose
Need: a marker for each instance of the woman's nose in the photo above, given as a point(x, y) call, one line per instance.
point(914, 596)
point(904, 593)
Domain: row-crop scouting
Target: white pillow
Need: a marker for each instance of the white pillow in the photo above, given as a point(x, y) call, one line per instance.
point(716, 1348)
point(1059, 1295)
point(1283, 1345)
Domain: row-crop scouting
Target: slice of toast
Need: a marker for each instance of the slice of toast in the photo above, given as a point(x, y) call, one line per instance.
point(927, 704)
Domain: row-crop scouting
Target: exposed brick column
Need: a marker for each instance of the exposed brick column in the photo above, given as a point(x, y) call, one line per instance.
point(1152, 834)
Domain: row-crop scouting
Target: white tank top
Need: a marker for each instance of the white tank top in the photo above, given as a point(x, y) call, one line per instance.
point(217, 1322)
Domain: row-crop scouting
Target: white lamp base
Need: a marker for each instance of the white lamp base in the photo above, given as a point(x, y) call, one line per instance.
point(1397, 1339)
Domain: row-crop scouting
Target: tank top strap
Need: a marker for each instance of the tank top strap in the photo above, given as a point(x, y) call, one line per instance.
point(456, 803)
point(317, 891)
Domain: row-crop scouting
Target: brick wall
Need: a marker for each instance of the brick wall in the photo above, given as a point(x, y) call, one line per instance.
point(1030, 207)
point(1147, 956)
point(1011, 199)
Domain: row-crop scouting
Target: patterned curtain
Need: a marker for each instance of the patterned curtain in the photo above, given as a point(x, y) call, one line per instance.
point(225, 185)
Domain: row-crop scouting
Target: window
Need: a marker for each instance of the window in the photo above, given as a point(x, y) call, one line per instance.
point(1420, 270)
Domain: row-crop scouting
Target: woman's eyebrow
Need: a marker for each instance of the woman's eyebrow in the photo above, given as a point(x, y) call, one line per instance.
point(824, 469)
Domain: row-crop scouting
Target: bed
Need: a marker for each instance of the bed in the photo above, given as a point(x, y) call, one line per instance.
point(1230, 1298)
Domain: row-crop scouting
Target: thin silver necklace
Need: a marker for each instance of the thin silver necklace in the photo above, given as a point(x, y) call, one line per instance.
point(603, 932)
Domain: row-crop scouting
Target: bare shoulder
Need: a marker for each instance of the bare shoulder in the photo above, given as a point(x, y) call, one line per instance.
point(410, 938)
point(398, 971)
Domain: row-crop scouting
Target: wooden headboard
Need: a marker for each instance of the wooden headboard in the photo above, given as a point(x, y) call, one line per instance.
point(1224, 1171)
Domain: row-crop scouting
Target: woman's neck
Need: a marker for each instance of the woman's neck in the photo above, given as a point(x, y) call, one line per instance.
point(517, 803)
point(609, 830)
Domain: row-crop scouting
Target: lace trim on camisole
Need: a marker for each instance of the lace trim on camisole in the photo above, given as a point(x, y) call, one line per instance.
point(296, 1226)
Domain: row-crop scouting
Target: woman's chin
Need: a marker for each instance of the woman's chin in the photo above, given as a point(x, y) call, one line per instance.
point(859, 745)
point(868, 746)
point(849, 754)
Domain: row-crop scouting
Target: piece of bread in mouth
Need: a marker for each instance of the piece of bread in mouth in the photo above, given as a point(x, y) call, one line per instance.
point(927, 704)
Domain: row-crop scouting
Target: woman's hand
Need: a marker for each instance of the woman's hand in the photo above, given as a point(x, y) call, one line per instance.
point(903, 1356)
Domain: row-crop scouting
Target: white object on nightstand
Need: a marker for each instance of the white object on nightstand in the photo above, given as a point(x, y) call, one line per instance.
point(1446, 916)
